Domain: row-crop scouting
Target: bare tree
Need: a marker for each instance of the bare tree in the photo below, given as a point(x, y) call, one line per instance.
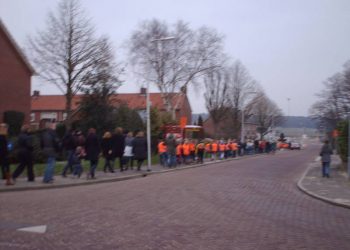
point(66, 52)
point(173, 64)
point(242, 91)
point(266, 113)
point(216, 83)
point(333, 103)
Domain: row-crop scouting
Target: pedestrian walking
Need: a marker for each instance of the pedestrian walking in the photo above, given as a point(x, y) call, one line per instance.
point(50, 146)
point(4, 159)
point(118, 147)
point(214, 150)
point(200, 152)
point(92, 147)
point(171, 144)
point(107, 151)
point(326, 152)
point(186, 151)
point(222, 149)
point(69, 146)
point(139, 149)
point(234, 148)
point(162, 152)
point(128, 155)
point(78, 155)
point(179, 152)
point(192, 145)
point(25, 154)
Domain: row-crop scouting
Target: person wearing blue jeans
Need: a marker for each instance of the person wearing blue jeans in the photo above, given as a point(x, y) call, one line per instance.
point(49, 145)
point(172, 160)
point(49, 170)
point(325, 154)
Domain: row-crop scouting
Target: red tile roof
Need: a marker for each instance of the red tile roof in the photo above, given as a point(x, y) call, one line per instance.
point(133, 100)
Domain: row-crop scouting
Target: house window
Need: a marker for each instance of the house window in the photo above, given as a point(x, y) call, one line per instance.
point(64, 116)
point(32, 117)
point(48, 115)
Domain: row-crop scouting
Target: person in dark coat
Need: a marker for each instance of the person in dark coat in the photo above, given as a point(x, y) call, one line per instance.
point(171, 145)
point(4, 160)
point(25, 154)
point(69, 146)
point(326, 152)
point(49, 145)
point(92, 147)
point(139, 149)
point(118, 147)
point(107, 151)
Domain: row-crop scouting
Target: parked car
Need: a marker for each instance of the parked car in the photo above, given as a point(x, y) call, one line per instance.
point(295, 145)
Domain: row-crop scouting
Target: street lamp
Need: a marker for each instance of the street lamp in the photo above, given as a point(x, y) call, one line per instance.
point(148, 111)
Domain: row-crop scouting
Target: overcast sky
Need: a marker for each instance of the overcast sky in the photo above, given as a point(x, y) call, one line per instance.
point(290, 47)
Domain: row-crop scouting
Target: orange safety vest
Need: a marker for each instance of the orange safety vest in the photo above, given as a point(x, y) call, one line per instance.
point(228, 147)
point(192, 147)
point(161, 148)
point(179, 149)
point(186, 149)
point(222, 147)
point(214, 147)
point(207, 147)
point(234, 146)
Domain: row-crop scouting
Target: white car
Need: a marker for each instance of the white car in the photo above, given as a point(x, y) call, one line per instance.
point(295, 145)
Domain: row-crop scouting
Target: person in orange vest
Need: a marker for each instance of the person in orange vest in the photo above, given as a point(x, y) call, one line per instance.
point(179, 153)
point(214, 150)
point(192, 150)
point(186, 151)
point(162, 152)
point(234, 148)
point(222, 148)
point(228, 151)
point(200, 152)
point(207, 150)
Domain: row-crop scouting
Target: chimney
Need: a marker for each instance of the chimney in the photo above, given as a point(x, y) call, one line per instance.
point(143, 91)
point(36, 93)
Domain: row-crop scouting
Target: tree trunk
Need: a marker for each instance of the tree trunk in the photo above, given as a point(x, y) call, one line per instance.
point(69, 97)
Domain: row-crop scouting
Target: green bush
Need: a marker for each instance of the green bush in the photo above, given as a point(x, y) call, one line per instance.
point(14, 120)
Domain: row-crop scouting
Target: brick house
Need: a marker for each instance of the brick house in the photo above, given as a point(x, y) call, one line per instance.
point(53, 106)
point(15, 76)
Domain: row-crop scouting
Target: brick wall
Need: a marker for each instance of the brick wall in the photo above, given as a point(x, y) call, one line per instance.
point(14, 79)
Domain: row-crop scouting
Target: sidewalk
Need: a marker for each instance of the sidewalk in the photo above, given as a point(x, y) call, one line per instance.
point(334, 190)
point(101, 177)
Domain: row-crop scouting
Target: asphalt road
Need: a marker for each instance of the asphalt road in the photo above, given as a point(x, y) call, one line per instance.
point(251, 203)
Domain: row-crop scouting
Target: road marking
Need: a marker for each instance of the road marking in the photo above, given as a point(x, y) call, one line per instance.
point(36, 229)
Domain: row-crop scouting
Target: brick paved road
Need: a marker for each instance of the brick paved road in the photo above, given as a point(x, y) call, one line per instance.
point(247, 204)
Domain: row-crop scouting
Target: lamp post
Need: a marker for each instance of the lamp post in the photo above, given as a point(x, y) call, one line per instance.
point(148, 111)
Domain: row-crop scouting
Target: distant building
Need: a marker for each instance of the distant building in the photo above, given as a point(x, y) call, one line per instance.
point(53, 106)
point(15, 76)
point(224, 129)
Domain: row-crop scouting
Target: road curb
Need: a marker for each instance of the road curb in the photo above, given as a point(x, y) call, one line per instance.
point(122, 178)
point(314, 195)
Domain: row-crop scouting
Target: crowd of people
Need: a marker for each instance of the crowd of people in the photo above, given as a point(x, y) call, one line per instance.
point(173, 152)
point(113, 147)
point(119, 147)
